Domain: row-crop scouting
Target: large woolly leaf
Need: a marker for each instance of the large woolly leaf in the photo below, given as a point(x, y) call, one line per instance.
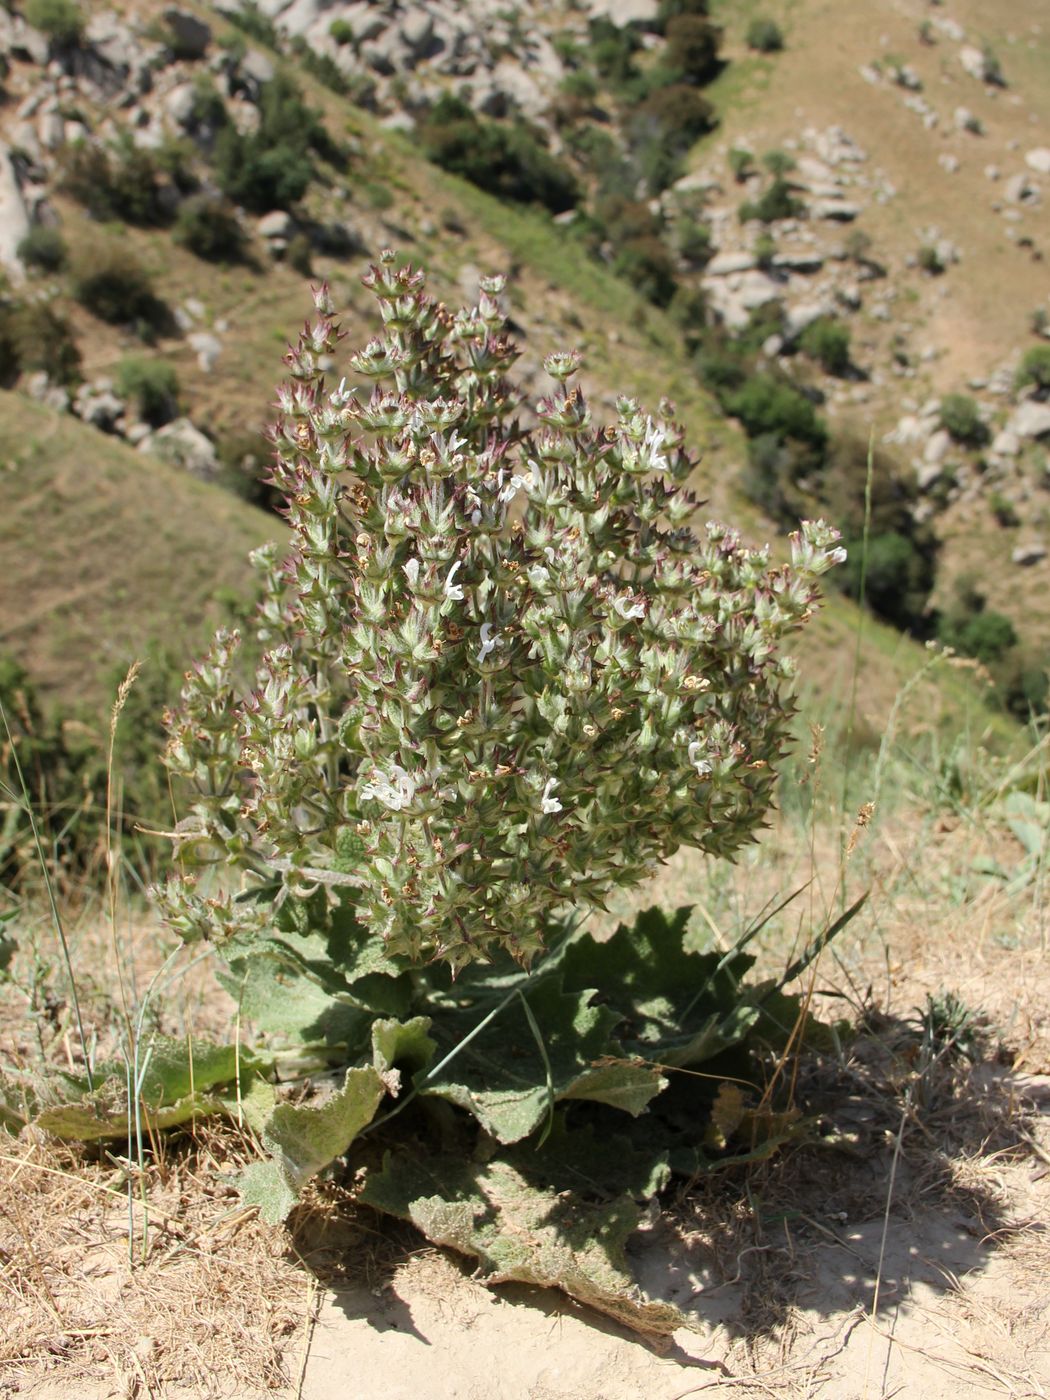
point(303, 1139)
point(179, 1081)
point(401, 1043)
point(510, 1075)
point(522, 1228)
point(679, 1007)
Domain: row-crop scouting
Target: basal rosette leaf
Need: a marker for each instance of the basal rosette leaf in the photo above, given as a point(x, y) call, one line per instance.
point(508, 1077)
point(525, 1226)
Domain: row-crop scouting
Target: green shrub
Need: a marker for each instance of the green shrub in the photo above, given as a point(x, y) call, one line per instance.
point(209, 227)
point(119, 184)
point(973, 629)
point(961, 417)
point(35, 336)
point(930, 260)
point(768, 404)
point(341, 32)
point(505, 158)
point(612, 50)
point(321, 66)
point(765, 36)
point(778, 163)
point(741, 163)
point(61, 20)
point(250, 19)
point(43, 249)
point(897, 580)
point(1035, 368)
point(827, 341)
point(1004, 510)
point(691, 53)
point(664, 127)
point(776, 202)
point(671, 9)
point(694, 241)
point(272, 167)
point(113, 285)
point(646, 263)
point(152, 385)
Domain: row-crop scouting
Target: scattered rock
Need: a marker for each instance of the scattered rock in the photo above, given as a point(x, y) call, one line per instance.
point(1020, 190)
point(38, 386)
point(1039, 160)
point(724, 264)
point(97, 404)
point(14, 217)
point(948, 162)
point(977, 63)
point(965, 120)
point(937, 448)
point(182, 445)
point(1030, 420)
point(278, 224)
point(207, 347)
point(1028, 554)
point(839, 210)
point(1006, 444)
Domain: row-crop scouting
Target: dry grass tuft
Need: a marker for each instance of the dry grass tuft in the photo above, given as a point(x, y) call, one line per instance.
point(217, 1308)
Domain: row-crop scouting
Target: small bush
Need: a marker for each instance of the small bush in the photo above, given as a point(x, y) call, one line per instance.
point(250, 19)
point(694, 241)
point(987, 635)
point(741, 163)
point(775, 203)
point(765, 36)
point(1004, 510)
point(121, 184)
point(272, 168)
point(34, 336)
point(897, 578)
point(671, 9)
point(664, 127)
point(691, 54)
point(209, 227)
point(827, 341)
point(152, 385)
point(43, 249)
point(646, 263)
point(61, 20)
point(341, 32)
point(962, 419)
point(778, 163)
point(1035, 368)
point(505, 158)
point(930, 260)
point(113, 285)
point(768, 404)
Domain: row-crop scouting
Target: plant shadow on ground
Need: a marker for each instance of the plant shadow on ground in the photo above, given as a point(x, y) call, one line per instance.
point(899, 1185)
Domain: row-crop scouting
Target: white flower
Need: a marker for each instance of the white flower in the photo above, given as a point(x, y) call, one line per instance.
point(489, 641)
point(342, 395)
point(549, 804)
point(654, 440)
point(628, 607)
point(538, 577)
point(510, 490)
point(395, 792)
point(454, 590)
point(475, 517)
point(412, 571)
point(702, 765)
point(837, 556)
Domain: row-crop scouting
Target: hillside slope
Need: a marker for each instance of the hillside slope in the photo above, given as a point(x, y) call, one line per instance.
point(108, 552)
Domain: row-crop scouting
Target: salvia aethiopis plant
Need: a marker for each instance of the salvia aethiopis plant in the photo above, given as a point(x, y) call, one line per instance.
point(502, 673)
